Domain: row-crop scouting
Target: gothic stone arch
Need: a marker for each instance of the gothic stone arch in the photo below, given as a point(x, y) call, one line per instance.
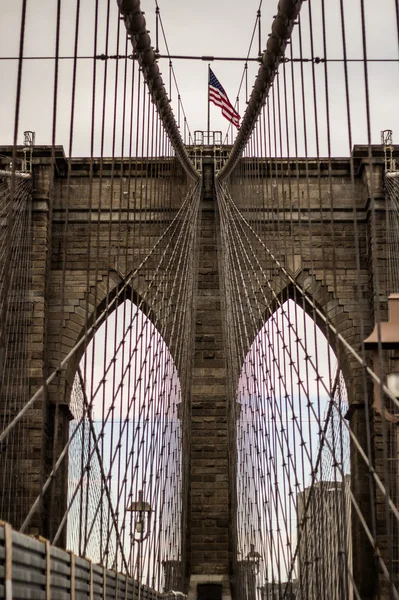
point(87, 235)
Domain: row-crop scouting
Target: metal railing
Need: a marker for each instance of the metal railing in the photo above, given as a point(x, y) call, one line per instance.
point(32, 568)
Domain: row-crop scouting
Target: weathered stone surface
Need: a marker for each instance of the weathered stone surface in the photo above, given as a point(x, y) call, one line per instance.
point(84, 242)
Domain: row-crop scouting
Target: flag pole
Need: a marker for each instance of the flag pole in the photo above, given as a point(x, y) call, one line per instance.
point(209, 112)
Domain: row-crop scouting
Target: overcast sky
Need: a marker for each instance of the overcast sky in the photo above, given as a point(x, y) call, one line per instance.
point(221, 28)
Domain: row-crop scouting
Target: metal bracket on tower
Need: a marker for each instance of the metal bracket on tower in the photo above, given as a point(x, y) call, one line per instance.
point(386, 141)
point(29, 142)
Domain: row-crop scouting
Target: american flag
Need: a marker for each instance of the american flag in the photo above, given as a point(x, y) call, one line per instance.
point(219, 97)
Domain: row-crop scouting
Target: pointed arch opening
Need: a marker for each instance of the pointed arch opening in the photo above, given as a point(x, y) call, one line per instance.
point(124, 479)
point(293, 463)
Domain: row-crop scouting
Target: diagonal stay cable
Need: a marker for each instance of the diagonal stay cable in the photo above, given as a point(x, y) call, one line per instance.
point(103, 475)
point(379, 483)
point(63, 453)
point(311, 302)
point(93, 327)
point(358, 446)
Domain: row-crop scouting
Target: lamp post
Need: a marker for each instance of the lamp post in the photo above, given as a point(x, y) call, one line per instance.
point(254, 559)
point(142, 511)
point(253, 563)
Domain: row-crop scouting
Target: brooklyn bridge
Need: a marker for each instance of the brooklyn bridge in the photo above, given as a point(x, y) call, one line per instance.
point(199, 300)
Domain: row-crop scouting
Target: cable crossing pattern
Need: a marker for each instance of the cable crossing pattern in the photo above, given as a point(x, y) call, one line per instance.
point(199, 342)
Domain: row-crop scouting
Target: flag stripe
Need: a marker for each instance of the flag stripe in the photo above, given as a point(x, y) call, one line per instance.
point(218, 96)
point(221, 101)
point(227, 110)
point(233, 118)
point(214, 93)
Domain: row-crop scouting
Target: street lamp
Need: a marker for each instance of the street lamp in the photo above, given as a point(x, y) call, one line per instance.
point(254, 559)
point(250, 569)
point(142, 514)
point(143, 518)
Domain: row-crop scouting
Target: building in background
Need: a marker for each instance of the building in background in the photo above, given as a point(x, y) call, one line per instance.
point(325, 541)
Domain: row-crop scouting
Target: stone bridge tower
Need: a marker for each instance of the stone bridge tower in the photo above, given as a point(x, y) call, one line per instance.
point(65, 297)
